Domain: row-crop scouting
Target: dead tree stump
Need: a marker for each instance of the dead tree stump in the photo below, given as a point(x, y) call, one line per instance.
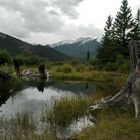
point(131, 89)
point(41, 70)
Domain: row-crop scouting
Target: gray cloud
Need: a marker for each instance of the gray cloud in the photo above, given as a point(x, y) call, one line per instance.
point(27, 16)
point(72, 31)
point(69, 32)
point(30, 18)
point(34, 14)
point(68, 7)
point(12, 23)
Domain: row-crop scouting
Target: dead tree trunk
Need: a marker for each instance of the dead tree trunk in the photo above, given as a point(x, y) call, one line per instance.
point(131, 89)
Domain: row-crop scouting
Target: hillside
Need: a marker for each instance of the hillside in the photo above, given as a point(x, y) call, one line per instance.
point(16, 46)
point(79, 47)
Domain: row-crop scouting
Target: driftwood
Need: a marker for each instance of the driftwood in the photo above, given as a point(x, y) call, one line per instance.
point(131, 89)
point(29, 73)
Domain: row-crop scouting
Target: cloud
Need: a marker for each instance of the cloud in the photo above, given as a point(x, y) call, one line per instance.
point(73, 31)
point(12, 23)
point(35, 20)
point(68, 7)
point(35, 15)
point(69, 32)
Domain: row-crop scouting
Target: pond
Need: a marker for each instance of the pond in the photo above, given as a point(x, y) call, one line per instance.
point(34, 95)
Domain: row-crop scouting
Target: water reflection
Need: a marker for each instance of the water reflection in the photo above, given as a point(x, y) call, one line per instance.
point(32, 96)
point(41, 86)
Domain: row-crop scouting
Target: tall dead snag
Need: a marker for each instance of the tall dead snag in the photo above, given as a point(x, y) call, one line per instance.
point(41, 70)
point(131, 89)
point(16, 66)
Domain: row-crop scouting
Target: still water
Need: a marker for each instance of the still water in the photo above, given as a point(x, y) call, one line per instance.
point(34, 96)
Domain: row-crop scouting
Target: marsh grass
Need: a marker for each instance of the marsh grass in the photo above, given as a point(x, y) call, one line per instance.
point(67, 110)
point(88, 76)
point(22, 127)
point(7, 68)
point(113, 124)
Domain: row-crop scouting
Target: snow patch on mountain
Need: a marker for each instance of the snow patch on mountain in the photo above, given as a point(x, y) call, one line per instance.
point(81, 40)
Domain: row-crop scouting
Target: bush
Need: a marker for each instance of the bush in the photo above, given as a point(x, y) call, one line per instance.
point(125, 67)
point(80, 68)
point(21, 59)
point(110, 66)
point(58, 69)
point(75, 62)
point(66, 68)
point(5, 57)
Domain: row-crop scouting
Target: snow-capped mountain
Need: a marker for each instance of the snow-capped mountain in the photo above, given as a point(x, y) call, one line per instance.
point(79, 47)
point(61, 43)
point(81, 40)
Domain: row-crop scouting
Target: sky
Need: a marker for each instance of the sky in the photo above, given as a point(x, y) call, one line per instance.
point(51, 21)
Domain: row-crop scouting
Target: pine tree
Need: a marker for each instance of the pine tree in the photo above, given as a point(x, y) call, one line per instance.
point(107, 51)
point(107, 37)
point(88, 55)
point(123, 25)
point(135, 33)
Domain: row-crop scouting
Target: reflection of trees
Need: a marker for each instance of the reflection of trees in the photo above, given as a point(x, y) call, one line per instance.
point(41, 85)
point(8, 88)
point(86, 86)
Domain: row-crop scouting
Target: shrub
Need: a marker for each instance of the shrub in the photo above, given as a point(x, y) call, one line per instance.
point(110, 66)
point(125, 67)
point(5, 57)
point(74, 62)
point(80, 68)
point(66, 68)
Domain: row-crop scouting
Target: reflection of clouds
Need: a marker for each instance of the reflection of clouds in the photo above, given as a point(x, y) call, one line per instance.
point(75, 127)
point(48, 94)
point(31, 100)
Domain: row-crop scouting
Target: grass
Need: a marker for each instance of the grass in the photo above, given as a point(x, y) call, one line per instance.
point(97, 76)
point(66, 110)
point(22, 127)
point(81, 72)
point(113, 124)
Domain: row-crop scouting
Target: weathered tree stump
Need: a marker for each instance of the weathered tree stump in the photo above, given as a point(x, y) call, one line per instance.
point(42, 72)
point(16, 66)
point(131, 89)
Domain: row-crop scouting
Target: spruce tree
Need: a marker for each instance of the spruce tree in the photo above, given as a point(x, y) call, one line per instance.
point(123, 25)
point(135, 33)
point(88, 55)
point(107, 37)
point(106, 53)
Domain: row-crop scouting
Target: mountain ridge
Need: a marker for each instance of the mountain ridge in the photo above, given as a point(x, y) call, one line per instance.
point(78, 48)
point(16, 46)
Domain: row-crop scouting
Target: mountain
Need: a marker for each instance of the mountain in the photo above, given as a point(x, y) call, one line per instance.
point(16, 46)
point(79, 47)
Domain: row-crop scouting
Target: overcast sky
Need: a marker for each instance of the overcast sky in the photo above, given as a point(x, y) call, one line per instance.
point(49, 21)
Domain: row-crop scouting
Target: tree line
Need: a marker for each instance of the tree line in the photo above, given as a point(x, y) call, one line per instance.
point(118, 32)
point(6, 58)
